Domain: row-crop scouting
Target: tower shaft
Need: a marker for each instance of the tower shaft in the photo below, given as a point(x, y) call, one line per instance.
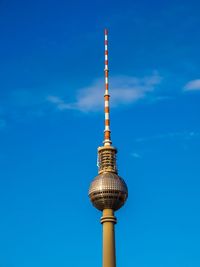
point(108, 221)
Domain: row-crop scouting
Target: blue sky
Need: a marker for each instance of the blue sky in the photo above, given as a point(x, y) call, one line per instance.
point(51, 122)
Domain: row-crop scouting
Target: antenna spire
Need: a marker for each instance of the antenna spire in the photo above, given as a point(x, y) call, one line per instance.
point(107, 138)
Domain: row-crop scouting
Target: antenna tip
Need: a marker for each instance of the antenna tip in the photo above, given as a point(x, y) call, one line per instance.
point(106, 31)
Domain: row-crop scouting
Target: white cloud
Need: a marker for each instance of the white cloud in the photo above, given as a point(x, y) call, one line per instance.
point(26, 103)
point(181, 135)
point(193, 85)
point(124, 90)
point(61, 105)
point(136, 155)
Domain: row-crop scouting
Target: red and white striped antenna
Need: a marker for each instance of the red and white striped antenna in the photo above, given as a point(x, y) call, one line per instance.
point(107, 137)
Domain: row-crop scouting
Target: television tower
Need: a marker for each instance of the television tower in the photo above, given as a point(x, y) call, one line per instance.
point(108, 191)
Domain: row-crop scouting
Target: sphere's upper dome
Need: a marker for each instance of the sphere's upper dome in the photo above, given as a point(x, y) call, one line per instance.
point(108, 191)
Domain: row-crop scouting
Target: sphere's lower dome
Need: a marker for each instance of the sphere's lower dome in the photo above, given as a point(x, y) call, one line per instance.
point(108, 191)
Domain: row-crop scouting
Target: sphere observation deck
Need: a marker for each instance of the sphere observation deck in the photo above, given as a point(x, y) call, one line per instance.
point(108, 191)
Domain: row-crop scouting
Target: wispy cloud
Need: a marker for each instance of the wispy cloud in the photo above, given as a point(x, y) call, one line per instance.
point(136, 155)
point(193, 85)
point(59, 102)
point(183, 135)
point(146, 146)
point(125, 90)
point(27, 103)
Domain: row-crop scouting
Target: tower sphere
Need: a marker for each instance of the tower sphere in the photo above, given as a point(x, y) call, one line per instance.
point(108, 191)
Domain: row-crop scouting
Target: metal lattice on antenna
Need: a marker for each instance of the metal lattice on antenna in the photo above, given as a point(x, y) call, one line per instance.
point(107, 138)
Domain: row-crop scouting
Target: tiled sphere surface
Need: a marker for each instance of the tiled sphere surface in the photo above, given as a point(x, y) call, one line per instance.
point(108, 191)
